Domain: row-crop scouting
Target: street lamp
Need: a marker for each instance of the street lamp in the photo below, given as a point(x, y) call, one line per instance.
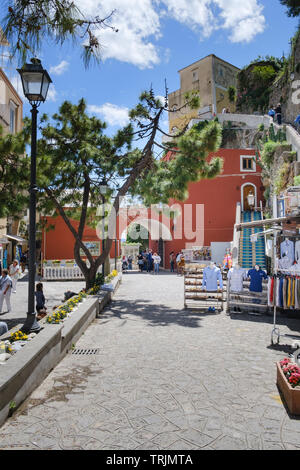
point(35, 81)
point(103, 191)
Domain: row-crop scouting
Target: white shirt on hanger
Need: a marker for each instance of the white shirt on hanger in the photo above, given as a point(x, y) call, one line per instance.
point(236, 277)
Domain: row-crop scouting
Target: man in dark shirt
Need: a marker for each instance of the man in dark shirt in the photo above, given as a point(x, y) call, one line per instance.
point(278, 113)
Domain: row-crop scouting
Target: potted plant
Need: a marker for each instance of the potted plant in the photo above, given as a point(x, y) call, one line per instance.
point(288, 382)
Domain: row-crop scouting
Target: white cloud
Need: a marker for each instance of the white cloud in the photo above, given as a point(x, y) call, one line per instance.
point(60, 68)
point(139, 24)
point(112, 114)
point(52, 93)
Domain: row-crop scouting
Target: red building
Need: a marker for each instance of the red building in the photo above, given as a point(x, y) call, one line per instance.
point(206, 218)
point(241, 175)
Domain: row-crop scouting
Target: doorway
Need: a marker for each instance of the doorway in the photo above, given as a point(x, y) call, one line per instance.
point(248, 189)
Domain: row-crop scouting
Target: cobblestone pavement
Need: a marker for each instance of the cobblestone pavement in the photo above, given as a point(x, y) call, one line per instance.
point(165, 378)
point(53, 291)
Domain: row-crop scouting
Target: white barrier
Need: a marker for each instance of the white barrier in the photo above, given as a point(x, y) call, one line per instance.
point(62, 272)
point(53, 273)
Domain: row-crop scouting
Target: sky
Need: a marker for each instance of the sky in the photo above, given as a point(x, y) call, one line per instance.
point(155, 39)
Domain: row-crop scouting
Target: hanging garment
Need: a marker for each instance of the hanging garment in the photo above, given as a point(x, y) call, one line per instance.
point(297, 251)
point(296, 293)
point(236, 277)
point(280, 304)
point(289, 292)
point(287, 251)
point(270, 303)
point(284, 293)
point(211, 276)
point(256, 277)
point(277, 292)
point(293, 293)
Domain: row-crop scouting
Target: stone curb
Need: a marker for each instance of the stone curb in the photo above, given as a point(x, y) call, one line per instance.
point(25, 371)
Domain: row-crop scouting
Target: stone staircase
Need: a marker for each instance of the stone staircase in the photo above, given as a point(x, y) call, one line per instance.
point(251, 254)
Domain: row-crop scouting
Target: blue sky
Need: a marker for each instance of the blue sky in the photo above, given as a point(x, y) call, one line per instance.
point(156, 38)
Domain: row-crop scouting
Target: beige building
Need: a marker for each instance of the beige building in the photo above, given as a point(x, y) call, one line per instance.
point(210, 77)
point(11, 117)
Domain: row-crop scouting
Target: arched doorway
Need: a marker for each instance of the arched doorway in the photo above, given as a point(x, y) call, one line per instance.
point(246, 190)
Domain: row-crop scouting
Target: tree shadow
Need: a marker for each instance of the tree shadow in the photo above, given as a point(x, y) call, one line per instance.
point(154, 314)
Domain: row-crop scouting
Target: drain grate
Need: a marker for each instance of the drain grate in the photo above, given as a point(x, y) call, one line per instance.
point(85, 352)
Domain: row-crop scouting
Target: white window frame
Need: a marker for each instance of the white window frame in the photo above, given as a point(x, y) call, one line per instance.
point(13, 108)
point(252, 157)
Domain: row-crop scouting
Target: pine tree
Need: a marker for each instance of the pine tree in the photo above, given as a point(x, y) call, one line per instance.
point(75, 158)
point(293, 7)
point(14, 174)
point(27, 23)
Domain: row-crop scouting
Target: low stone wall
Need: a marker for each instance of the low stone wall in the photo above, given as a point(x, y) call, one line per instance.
point(27, 368)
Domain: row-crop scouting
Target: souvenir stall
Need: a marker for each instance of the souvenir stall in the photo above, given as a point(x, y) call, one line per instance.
point(203, 287)
point(284, 284)
point(203, 281)
point(247, 290)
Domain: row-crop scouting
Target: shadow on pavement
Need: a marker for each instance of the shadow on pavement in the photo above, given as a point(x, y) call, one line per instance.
point(154, 314)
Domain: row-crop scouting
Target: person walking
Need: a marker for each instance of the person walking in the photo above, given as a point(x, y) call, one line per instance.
point(172, 261)
point(278, 114)
point(23, 260)
point(149, 262)
point(140, 261)
point(14, 270)
point(5, 290)
point(156, 261)
point(271, 112)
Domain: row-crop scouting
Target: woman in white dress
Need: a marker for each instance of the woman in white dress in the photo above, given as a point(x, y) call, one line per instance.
point(14, 274)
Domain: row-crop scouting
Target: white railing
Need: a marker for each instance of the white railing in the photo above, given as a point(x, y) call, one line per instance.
point(53, 272)
point(62, 272)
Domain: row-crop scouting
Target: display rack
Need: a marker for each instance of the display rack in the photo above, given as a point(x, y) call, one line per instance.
point(253, 303)
point(194, 295)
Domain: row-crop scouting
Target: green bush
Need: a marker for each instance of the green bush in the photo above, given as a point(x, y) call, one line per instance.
point(268, 152)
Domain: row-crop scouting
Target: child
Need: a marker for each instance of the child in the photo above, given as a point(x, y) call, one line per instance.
point(40, 301)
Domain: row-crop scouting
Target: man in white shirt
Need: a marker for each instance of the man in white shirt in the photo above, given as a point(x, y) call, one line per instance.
point(5, 290)
point(14, 274)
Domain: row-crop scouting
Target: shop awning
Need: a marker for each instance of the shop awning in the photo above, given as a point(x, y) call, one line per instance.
point(16, 238)
point(261, 223)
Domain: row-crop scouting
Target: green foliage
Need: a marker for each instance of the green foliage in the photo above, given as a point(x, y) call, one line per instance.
point(264, 74)
point(138, 234)
point(232, 93)
point(14, 174)
point(297, 180)
point(189, 164)
point(281, 180)
point(28, 24)
point(255, 81)
point(293, 7)
point(268, 152)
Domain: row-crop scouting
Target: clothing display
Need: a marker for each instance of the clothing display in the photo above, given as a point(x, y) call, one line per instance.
point(287, 251)
point(236, 277)
point(211, 276)
point(256, 277)
point(286, 293)
point(297, 251)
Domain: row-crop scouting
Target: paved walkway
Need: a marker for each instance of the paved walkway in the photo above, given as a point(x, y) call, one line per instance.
point(164, 378)
point(53, 291)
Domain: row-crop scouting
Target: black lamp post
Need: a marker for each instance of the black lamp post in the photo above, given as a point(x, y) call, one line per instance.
point(35, 81)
